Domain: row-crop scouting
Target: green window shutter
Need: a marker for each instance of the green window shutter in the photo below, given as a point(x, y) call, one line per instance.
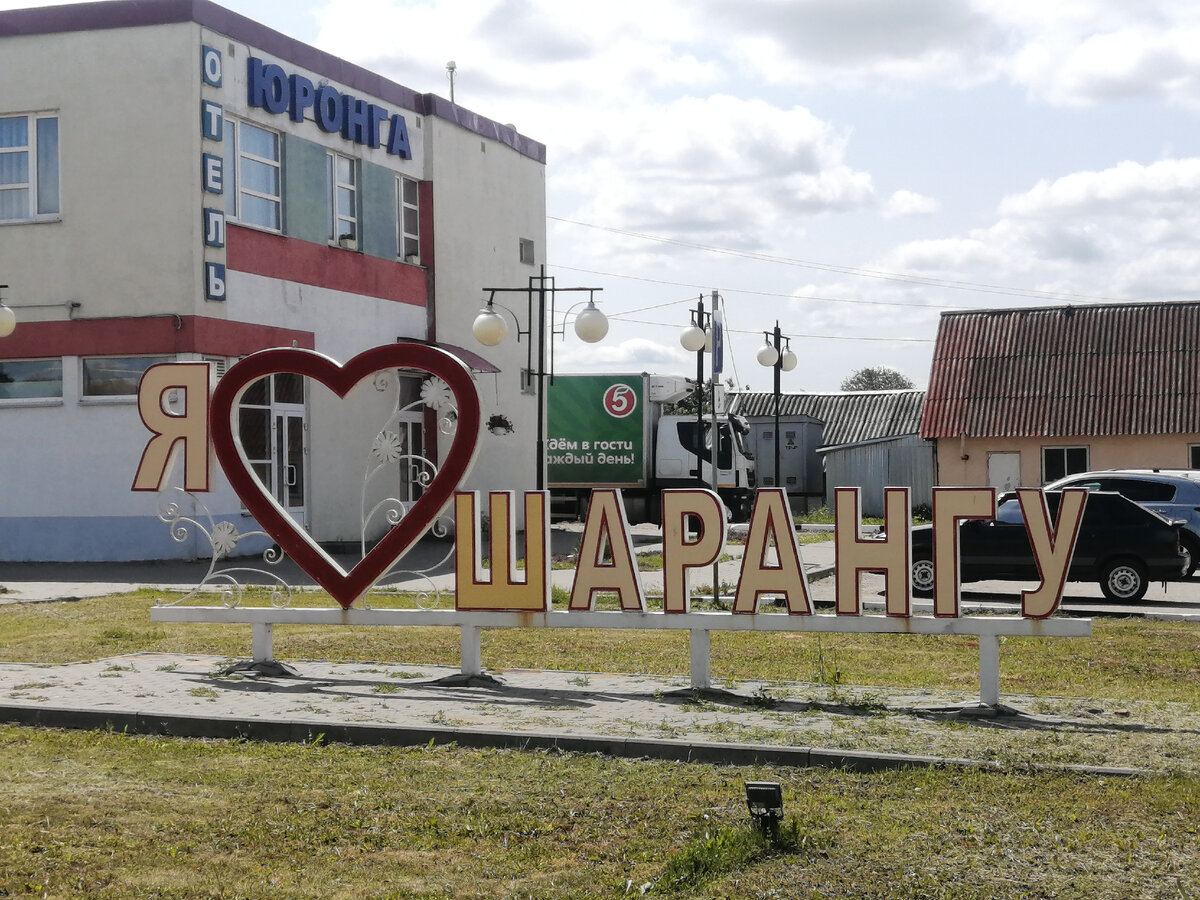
point(377, 206)
point(305, 186)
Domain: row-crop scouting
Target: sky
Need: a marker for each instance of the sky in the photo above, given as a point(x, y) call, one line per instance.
point(849, 169)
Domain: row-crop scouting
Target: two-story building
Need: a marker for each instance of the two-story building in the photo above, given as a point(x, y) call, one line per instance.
point(180, 183)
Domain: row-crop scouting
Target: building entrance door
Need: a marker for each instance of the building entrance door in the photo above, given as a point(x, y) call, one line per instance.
point(288, 461)
point(1004, 471)
point(272, 425)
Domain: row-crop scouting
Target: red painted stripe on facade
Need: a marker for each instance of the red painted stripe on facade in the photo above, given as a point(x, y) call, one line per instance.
point(425, 222)
point(428, 258)
point(146, 335)
point(289, 259)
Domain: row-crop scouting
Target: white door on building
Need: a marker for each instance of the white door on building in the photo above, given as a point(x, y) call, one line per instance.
point(272, 427)
point(290, 472)
point(416, 470)
point(1004, 471)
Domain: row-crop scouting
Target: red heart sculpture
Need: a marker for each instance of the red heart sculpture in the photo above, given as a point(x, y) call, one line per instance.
point(343, 586)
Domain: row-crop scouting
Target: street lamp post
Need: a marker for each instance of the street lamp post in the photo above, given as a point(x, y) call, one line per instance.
point(779, 357)
point(490, 328)
point(695, 339)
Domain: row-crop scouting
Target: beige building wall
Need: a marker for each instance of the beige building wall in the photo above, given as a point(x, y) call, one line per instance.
point(965, 461)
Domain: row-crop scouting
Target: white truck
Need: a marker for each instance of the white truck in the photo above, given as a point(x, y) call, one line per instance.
point(609, 431)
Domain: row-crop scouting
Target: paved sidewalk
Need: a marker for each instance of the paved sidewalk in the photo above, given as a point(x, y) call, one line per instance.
point(752, 723)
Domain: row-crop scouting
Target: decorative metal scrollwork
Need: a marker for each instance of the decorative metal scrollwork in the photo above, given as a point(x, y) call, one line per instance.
point(384, 502)
point(389, 453)
point(223, 537)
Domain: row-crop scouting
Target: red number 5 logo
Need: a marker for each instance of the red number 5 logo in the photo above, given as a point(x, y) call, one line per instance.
point(620, 401)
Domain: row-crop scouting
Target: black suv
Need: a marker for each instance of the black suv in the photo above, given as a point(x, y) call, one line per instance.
point(1121, 545)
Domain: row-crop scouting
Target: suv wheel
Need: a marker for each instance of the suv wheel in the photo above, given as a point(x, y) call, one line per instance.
point(1124, 580)
point(921, 576)
point(1191, 554)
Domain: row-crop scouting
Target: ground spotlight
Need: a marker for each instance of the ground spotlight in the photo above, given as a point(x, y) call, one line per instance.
point(764, 799)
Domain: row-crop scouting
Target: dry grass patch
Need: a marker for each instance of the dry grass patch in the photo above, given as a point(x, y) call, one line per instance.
point(1129, 659)
point(107, 815)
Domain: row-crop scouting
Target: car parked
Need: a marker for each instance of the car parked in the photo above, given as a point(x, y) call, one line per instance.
point(1172, 493)
point(1121, 546)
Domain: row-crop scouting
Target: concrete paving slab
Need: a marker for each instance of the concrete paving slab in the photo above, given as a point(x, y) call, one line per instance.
point(366, 703)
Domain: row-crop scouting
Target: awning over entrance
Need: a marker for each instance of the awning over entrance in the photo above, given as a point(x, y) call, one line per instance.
point(474, 361)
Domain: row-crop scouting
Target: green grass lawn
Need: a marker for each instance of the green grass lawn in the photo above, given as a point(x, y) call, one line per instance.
point(106, 815)
point(94, 814)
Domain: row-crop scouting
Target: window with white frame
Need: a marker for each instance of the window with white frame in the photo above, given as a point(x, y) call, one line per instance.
point(1194, 456)
point(253, 175)
point(1059, 462)
point(29, 187)
point(409, 218)
point(341, 201)
point(116, 376)
point(31, 379)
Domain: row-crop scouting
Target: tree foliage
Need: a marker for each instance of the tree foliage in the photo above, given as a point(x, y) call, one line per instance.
point(876, 378)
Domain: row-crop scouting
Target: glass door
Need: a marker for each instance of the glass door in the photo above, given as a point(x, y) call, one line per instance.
point(289, 456)
point(273, 431)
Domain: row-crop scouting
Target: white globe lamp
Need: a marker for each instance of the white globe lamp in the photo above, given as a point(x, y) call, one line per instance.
point(787, 361)
point(489, 327)
point(693, 339)
point(591, 325)
point(8, 321)
point(767, 355)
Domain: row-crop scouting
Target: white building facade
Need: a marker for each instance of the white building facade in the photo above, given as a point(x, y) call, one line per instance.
point(180, 183)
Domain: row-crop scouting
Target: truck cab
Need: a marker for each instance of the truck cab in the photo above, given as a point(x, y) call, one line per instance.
point(683, 458)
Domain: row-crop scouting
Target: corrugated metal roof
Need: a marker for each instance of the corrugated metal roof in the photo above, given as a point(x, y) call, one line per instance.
point(1112, 369)
point(850, 418)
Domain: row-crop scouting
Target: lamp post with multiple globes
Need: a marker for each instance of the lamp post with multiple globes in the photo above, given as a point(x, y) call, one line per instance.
point(777, 355)
point(490, 328)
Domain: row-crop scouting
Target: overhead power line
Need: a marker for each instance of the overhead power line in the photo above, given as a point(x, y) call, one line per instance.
point(902, 277)
point(792, 334)
point(751, 293)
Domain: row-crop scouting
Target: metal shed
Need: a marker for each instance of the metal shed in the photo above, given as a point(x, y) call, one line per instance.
point(869, 439)
point(906, 461)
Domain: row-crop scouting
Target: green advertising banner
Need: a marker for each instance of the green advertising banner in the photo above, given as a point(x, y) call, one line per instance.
point(595, 430)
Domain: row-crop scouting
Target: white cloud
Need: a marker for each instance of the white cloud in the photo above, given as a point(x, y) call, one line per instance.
point(1125, 189)
point(816, 41)
point(909, 203)
point(1126, 232)
point(733, 171)
point(633, 354)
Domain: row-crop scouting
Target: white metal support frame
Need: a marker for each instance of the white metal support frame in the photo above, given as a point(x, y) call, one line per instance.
point(989, 668)
point(988, 629)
